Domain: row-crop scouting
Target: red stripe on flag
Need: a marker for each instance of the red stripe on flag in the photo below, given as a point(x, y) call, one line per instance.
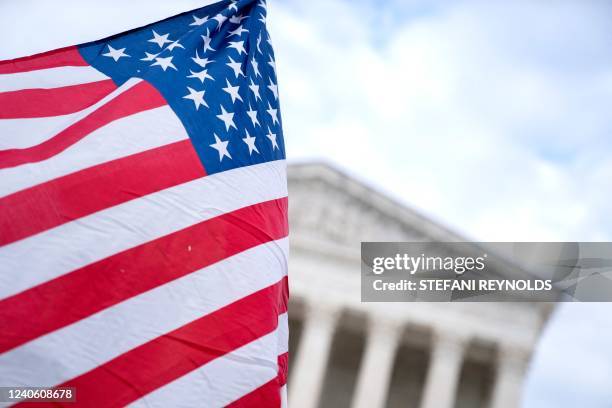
point(143, 369)
point(76, 195)
point(283, 368)
point(38, 103)
point(78, 294)
point(64, 57)
point(139, 98)
point(268, 396)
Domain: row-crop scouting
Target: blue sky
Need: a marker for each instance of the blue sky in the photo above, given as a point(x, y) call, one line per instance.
point(490, 117)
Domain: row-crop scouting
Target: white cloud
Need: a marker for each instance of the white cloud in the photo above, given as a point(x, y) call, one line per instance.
point(573, 364)
point(32, 26)
point(479, 115)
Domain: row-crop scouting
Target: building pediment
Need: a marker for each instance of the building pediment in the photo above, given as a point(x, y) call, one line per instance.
point(336, 209)
point(331, 213)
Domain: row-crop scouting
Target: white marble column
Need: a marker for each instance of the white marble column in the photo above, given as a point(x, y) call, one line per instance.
point(377, 364)
point(511, 365)
point(308, 372)
point(445, 363)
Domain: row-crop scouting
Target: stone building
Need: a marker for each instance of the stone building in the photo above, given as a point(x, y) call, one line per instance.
point(345, 353)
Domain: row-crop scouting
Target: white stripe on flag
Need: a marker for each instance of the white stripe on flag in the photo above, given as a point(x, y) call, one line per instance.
point(77, 243)
point(284, 396)
point(235, 375)
point(22, 133)
point(283, 334)
point(58, 356)
point(283, 341)
point(132, 134)
point(50, 78)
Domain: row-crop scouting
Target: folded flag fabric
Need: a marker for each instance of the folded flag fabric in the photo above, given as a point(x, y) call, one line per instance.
point(143, 216)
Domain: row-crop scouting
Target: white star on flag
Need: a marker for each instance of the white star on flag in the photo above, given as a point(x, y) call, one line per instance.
point(233, 91)
point(274, 88)
point(273, 113)
point(221, 147)
point(237, 32)
point(207, 41)
point(149, 56)
point(237, 19)
point(115, 54)
point(174, 45)
point(220, 20)
point(236, 66)
point(201, 61)
point(238, 46)
point(255, 89)
point(253, 115)
point(227, 118)
point(198, 21)
point(272, 63)
point(272, 137)
point(250, 142)
point(197, 97)
point(255, 65)
point(202, 75)
point(160, 40)
point(164, 63)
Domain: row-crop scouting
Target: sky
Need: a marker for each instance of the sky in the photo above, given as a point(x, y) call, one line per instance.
point(489, 117)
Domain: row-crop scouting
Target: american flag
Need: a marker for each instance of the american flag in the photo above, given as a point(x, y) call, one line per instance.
point(143, 216)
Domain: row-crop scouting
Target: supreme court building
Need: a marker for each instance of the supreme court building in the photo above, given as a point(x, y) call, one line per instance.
point(345, 353)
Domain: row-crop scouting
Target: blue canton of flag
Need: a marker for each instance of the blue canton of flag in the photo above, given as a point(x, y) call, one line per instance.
point(215, 67)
